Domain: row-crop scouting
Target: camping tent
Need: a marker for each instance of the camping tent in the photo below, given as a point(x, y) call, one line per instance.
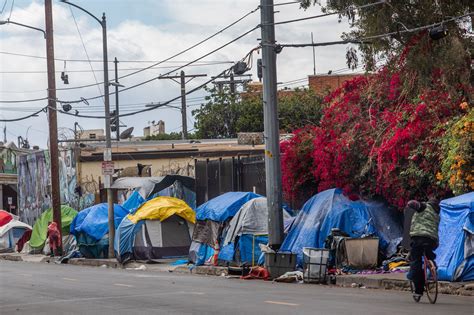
point(10, 233)
point(212, 217)
point(40, 228)
point(159, 228)
point(91, 228)
point(455, 254)
point(331, 209)
point(146, 188)
point(247, 229)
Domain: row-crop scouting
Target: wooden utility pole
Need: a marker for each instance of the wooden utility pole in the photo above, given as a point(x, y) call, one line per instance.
point(182, 82)
point(53, 123)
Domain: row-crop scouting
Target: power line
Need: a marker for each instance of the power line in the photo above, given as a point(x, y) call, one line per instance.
point(4, 5)
point(11, 9)
point(331, 13)
point(24, 117)
point(85, 50)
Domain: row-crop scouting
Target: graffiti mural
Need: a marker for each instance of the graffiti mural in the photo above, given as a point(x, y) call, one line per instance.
point(34, 184)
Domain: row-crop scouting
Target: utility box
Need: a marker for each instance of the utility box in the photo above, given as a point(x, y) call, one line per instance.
point(278, 264)
point(362, 253)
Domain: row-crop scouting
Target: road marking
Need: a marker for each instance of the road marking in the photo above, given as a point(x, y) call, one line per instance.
point(25, 275)
point(123, 285)
point(281, 303)
point(70, 279)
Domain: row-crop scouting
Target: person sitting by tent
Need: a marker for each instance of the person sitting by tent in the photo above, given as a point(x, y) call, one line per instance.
point(54, 237)
point(424, 240)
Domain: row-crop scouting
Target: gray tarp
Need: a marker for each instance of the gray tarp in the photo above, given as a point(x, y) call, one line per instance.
point(252, 218)
point(147, 186)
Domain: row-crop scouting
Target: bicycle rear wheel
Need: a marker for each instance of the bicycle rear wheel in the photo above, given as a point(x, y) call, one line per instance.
point(431, 281)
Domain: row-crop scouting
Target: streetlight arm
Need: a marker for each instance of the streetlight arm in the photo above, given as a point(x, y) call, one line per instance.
point(24, 25)
point(84, 10)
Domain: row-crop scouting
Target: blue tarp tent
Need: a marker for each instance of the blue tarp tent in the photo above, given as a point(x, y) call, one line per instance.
point(90, 227)
point(331, 209)
point(455, 254)
point(211, 217)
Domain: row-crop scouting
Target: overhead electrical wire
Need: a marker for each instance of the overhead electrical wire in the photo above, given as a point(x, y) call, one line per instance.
point(169, 58)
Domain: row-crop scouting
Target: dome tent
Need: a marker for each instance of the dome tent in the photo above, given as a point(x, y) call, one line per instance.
point(159, 228)
point(10, 233)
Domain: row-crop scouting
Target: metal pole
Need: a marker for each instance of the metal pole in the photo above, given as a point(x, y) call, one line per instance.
point(184, 121)
point(314, 55)
point(271, 129)
point(117, 99)
point(108, 142)
point(52, 115)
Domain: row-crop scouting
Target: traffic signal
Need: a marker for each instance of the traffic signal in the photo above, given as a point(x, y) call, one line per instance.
point(114, 121)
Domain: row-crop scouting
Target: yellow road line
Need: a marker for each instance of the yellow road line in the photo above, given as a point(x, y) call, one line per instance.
point(281, 303)
point(123, 285)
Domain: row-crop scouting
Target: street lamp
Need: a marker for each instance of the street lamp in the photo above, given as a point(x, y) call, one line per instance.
point(108, 144)
point(52, 115)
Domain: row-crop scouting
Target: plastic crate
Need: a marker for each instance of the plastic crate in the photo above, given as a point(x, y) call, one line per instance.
point(278, 264)
point(315, 261)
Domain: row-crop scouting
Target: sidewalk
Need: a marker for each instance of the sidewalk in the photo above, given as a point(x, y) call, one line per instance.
point(387, 281)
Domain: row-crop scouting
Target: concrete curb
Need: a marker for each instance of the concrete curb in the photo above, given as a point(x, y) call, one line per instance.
point(203, 270)
point(453, 288)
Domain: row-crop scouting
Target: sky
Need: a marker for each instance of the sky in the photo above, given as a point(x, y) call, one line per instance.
point(141, 32)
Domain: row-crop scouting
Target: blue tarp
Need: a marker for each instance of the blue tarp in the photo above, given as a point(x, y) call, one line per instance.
point(331, 209)
point(134, 201)
point(455, 254)
point(124, 237)
point(224, 206)
point(94, 220)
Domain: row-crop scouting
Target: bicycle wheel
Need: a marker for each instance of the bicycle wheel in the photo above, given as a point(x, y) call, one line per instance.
point(431, 281)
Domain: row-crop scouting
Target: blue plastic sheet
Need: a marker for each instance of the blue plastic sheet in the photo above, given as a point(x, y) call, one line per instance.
point(134, 201)
point(250, 249)
point(224, 206)
point(94, 220)
point(455, 254)
point(124, 237)
point(331, 209)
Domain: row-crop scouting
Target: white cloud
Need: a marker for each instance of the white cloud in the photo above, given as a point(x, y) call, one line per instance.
point(182, 24)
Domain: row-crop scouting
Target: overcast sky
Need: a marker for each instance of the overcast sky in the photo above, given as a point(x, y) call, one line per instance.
point(143, 30)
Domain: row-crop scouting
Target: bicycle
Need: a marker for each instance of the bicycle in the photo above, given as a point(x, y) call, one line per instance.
point(431, 281)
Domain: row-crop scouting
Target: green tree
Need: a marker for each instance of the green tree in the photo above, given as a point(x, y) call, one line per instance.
point(450, 55)
point(224, 115)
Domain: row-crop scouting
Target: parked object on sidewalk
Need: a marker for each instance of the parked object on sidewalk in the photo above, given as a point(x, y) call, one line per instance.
point(315, 263)
point(160, 228)
point(455, 254)
point(257, 273)
point(54, 239)
point(212, 217)
point(40, 228)
point(290, 277)
point(147, 188)
point(361, 253)
point(331, 209)
point(91, 228)
point(11, 233)
point(279, 263)
point(247, 229)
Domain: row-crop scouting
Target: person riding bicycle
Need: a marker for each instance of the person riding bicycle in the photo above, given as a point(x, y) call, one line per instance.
point(424, 239)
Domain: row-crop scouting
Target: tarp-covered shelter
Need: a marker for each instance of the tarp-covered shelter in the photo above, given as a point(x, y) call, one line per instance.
point(332, 209)
point(455, 254)
point(211, 218)
point(160, 228)
point(91, 228)
point(40, 228)
point(11, 233)
point(247, 229)
point(146, 188)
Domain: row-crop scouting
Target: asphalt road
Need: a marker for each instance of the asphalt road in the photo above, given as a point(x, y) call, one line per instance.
point(33, 288)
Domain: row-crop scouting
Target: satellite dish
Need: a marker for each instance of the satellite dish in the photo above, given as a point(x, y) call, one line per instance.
point(127, 133)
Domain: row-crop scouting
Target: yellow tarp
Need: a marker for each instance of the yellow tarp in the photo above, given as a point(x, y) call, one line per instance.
point(161, 208)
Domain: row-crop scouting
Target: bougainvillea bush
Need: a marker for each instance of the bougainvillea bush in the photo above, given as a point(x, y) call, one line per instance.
point(383, 135)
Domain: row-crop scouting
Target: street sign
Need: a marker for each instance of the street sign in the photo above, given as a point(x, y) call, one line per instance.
point(10, 200)
point(107, 168)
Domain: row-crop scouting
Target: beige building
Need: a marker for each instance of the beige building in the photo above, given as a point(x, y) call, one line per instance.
point(156, 158)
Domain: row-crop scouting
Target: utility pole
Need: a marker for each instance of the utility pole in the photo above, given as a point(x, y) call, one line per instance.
point(271, 129)
point(117, 113)
point(182, 82)
point(52, 115)
point(232, 82)
point(314, 55)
